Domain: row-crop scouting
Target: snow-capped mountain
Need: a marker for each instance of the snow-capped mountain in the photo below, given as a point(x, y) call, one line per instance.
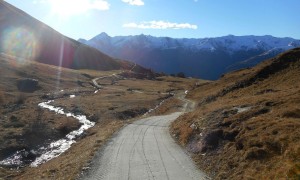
point(206, 58)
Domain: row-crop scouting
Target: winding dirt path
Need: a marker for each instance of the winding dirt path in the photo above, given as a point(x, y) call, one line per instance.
point(98, 86)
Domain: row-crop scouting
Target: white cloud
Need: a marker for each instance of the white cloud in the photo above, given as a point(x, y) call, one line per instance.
point(134, 2)
point(160, 25)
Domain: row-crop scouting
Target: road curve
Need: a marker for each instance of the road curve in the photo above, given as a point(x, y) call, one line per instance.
point(144, 150)
point(96, 79)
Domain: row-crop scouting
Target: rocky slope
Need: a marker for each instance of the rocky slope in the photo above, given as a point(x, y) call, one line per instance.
point(247, 123)
point(207, 58)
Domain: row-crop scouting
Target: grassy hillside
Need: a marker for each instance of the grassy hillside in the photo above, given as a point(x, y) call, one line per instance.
point(246, 125)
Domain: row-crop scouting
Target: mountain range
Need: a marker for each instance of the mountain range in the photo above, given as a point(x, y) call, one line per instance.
point(206, 58)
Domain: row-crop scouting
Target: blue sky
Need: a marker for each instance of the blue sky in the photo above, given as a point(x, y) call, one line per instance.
point(173, 18)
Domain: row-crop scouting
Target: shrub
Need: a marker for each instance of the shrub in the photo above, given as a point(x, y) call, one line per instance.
point(13, 123)
point(1, 97)
point(21, 98)
point(37, 132)
point(181, 75)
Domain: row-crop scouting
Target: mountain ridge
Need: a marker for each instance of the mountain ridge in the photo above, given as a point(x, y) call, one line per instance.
point(104, 35)
point(206, 58)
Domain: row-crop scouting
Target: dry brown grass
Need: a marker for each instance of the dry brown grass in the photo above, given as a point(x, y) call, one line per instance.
point(262, 143)
point(170, 105)
point(23, 118)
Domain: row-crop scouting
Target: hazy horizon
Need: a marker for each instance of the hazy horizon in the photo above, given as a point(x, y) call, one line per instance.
point(189, 37)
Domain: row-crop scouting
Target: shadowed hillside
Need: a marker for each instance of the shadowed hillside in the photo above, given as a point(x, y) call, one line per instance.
point(247, 124)
point(27, 38)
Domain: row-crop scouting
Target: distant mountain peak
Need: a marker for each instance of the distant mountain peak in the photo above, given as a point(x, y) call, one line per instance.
point(102, 35)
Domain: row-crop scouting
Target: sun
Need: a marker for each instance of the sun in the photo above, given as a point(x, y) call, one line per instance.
point(68, 8)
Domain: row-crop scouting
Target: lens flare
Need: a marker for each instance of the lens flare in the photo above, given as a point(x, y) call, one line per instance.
point(20, 43)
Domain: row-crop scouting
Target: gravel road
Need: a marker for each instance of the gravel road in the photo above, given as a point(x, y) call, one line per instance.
point(144, 150)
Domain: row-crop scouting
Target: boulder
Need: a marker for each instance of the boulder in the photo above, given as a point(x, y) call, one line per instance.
point(28, 85)
point(28, 156)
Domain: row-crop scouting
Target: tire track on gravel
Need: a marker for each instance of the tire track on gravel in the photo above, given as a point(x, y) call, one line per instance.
point(145, 150)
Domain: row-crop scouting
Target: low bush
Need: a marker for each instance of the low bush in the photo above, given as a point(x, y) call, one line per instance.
point(1, 97)
point(21, 98)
